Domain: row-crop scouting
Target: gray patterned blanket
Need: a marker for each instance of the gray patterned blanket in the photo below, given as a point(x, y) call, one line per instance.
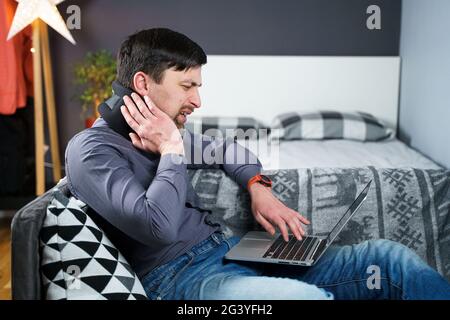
point(410, 206)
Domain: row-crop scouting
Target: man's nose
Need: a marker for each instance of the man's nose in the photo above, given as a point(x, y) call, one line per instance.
point(195, 99)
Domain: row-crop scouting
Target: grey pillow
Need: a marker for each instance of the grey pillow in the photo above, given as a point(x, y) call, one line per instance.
point(329, 125)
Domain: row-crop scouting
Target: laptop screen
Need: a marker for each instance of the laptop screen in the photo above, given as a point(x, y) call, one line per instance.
point(348, 214)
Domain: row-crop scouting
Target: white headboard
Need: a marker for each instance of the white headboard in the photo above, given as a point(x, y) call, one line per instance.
point(263, 86)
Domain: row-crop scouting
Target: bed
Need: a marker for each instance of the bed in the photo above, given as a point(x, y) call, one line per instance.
point(340, 153)
point(260, 87)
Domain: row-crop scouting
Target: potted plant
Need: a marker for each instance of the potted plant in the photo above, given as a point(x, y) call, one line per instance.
point(94, 74)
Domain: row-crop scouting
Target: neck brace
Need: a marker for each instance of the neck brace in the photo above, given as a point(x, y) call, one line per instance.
point(110, 110)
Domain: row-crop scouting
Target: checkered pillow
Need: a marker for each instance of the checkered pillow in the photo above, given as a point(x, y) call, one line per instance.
point(330, 125)
point(78, 262)
point(229, 127)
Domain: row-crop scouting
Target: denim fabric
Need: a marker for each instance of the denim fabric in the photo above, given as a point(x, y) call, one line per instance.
point(342, 273)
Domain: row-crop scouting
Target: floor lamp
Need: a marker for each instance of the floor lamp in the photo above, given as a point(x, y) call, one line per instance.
point(40, 13)
point(42, 69)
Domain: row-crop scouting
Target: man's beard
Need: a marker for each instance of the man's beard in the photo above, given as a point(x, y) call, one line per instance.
point(181, 118)
point(177, 123)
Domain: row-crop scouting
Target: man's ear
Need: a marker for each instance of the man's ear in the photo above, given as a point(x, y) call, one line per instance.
point(141, 83)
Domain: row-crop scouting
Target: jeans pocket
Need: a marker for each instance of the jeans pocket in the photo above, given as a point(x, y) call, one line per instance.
point(159, 281)
point(232, 241)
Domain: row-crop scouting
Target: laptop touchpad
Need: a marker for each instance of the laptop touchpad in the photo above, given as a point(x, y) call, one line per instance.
point(255, 244)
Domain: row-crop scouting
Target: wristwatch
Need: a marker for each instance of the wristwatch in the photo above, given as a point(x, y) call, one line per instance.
point(262, 179)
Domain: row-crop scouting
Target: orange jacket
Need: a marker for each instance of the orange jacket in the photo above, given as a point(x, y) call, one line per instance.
point(16, 62)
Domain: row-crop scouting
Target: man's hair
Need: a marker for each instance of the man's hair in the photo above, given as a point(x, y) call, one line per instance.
point(153, 51)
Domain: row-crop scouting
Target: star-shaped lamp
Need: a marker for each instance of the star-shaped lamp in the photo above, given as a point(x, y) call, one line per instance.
point(29, 10)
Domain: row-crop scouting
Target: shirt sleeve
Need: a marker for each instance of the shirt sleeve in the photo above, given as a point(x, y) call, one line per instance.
point(208, 152)
point(103, 179)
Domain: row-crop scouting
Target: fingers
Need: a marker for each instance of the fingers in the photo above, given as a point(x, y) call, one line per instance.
point(283, 229)
point(299, 219)
point(302, 231)
point(136, 141)
point(150, 105)
point(297, 229)
point(294, 220)
point(265, 224)
point(144, 107)
point(133, 111)
point(157, 112)
point(293, 223)
point(302, 218)
point(129, 118)
point(281, 224)
point(299, 216)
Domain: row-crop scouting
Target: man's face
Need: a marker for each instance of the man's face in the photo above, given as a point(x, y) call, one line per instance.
point(177, 94)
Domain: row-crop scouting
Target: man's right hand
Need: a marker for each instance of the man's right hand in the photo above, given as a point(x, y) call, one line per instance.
point(154, 130)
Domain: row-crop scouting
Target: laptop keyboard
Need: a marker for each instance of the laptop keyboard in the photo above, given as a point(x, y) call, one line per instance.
point(294, 249)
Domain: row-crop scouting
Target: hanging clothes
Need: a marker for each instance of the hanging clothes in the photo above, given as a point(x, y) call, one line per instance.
point(16, 62)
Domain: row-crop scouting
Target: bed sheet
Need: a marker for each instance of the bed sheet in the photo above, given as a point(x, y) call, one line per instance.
point(338, 153)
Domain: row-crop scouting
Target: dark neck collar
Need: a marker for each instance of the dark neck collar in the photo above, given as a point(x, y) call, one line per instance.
point(110, 110)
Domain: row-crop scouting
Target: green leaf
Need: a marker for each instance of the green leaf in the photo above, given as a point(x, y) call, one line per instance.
point(94, 76)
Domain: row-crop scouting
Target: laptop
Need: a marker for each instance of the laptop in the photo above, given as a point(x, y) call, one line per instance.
point(259, 246)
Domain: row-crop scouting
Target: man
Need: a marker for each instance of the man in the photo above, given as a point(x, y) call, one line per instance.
point(136, 181)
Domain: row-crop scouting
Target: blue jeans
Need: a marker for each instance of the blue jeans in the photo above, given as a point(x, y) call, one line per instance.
point(375, 269)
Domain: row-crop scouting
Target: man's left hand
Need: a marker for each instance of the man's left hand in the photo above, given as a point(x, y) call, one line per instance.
point(271, 212)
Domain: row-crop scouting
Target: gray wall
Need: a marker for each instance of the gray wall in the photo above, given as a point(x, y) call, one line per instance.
point(425, 81)
point(284, 27)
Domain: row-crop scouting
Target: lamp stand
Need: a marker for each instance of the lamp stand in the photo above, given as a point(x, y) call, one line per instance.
point(42, 66)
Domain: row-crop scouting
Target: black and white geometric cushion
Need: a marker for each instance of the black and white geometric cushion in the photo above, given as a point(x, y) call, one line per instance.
point(78, 262)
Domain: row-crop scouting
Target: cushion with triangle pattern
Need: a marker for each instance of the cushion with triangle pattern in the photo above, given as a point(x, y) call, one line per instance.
point(78, 261)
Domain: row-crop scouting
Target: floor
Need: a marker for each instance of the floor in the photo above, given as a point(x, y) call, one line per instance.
point(5, 258)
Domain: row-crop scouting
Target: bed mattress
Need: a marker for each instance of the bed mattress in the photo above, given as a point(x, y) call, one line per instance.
point(338, 153)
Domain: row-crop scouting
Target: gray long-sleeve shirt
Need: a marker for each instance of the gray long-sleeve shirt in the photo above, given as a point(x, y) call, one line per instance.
point(145, 203)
